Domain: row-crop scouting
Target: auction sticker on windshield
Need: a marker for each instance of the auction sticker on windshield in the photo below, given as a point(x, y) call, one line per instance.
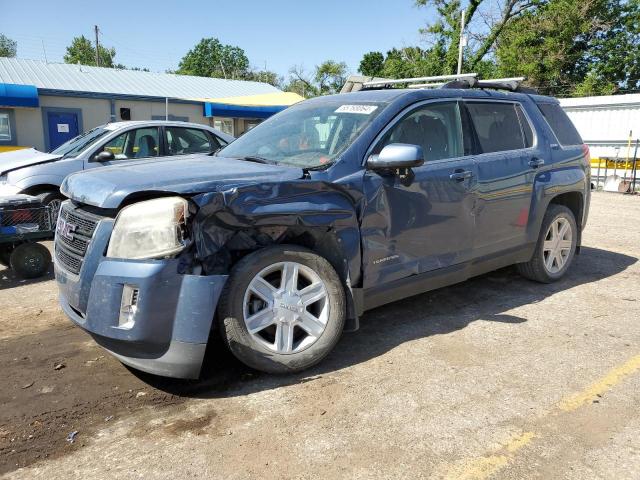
point(363, 109)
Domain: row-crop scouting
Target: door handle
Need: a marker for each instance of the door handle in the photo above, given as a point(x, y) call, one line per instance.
point(536, 162)
point(461, 175)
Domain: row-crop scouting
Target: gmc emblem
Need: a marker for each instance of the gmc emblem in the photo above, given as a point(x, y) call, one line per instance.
point(65, 229)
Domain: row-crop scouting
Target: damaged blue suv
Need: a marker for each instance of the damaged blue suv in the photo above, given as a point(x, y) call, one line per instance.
point(332, 207)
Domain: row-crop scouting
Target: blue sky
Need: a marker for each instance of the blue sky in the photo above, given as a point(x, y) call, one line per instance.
point(156, 34)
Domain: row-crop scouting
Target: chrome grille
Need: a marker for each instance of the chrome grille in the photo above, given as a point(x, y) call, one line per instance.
point(70, 250)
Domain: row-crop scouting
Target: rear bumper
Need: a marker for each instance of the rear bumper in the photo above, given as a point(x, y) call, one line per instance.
point(170, 329)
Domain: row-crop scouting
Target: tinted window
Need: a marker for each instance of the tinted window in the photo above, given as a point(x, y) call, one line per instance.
point(560, 124)
point(435, 127)
point(183, 141)
point(526, 127)
point(497, 126)
point(138, 143)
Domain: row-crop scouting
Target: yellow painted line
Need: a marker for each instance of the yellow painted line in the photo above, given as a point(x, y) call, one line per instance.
point(611, 379)
point(484, 467)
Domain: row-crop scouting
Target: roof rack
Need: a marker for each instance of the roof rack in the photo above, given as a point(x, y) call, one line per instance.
point(462, 81)
point(511, 84)
point(386, 83)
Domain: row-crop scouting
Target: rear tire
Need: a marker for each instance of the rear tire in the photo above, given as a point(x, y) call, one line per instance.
point(555, 249)
point(30, 260)
point(294, 323)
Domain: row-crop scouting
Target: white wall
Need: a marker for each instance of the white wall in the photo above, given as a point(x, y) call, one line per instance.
point(604, 122)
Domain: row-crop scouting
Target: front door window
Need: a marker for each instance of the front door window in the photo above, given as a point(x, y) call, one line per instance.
point(138, 143)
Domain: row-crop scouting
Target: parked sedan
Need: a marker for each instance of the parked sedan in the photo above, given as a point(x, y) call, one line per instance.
point(40, 174)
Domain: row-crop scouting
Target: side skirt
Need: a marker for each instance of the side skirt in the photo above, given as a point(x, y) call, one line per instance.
point(417, 284)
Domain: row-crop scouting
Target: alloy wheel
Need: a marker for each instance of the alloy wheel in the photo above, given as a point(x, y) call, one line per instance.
point(286, 307)
point(557, 246)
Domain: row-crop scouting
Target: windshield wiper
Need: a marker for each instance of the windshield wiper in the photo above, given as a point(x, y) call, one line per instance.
point(318, 168)
point(256, 159)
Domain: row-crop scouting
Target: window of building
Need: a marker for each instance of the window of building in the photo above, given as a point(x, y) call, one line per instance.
point(183, 141)
point(434, 127)
point(5, 128)
point(497, 126)
point(224, 125)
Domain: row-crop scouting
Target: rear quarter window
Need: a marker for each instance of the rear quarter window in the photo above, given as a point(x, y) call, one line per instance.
point(560, 123)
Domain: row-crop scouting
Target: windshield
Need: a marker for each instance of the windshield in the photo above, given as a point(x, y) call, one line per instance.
point(73, 147)
point(307, 135)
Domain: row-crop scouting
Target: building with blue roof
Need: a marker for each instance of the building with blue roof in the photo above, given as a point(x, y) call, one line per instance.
point(44, 104)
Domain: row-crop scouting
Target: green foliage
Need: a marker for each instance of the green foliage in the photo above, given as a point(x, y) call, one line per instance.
point(8, 47)
point(265, 76)
point(563, 47)
point(575, 47)
point(330, 76)
point(372, 64)
point(82, 51)
point(327, 79)
point(211, 58)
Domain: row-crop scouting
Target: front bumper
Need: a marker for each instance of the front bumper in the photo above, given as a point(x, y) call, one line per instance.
point(170, 330)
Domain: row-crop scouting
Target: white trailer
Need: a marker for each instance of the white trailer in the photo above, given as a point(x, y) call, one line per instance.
point(610, 125)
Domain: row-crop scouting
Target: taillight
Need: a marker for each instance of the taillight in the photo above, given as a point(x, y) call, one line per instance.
point(586, 152)
point(21, 216)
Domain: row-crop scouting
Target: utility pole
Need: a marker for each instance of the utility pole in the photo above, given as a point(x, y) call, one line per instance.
point(97, 46)
point(461, 42)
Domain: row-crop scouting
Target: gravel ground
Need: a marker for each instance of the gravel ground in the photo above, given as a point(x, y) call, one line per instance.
point(495, 377)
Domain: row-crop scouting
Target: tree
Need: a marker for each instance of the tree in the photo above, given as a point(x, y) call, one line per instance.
point(326, 79)
point(575, 47)
point(372, 64)
point(265, 76)
point(210, 58)
point(330, 76)
point(120, 66)
point(83, 52)
point(8, 47)
point(484, 20)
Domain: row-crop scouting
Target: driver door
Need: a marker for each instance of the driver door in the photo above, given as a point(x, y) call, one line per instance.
point(427, 223)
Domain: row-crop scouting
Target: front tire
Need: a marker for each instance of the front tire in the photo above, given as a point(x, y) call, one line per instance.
point(282, 310)
point(556, 246)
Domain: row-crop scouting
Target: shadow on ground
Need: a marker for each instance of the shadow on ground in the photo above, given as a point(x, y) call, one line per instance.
point(440, 312)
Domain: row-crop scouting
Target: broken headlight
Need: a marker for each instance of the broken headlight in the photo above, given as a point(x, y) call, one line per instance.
point(150, 229)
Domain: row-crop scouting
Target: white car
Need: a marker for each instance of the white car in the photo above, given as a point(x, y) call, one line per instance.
point(41, 174)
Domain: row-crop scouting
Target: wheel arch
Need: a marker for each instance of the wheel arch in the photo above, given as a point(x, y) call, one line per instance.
point(315, 215)
point(42, 188)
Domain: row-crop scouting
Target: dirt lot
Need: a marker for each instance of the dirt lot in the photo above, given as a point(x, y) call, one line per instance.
point(496, 377)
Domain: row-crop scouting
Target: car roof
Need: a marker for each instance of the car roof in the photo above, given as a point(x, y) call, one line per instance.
point(142, 123)
point(417, 94)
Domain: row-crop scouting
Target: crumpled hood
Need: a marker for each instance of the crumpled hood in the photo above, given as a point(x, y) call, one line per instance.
point(23, 158)
point(107, 187)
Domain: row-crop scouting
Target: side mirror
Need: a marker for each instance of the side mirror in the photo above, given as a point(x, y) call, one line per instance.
point(103, 156)
point(397, 156)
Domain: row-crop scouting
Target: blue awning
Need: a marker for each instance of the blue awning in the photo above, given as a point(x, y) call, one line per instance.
point(240, 111)
point(12, 95)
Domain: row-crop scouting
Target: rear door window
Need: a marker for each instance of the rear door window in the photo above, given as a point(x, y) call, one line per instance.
point(185, 141)
point(498, 127)
point(560, 123)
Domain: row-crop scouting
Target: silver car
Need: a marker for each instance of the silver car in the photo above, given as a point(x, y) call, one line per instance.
point(40, 174)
